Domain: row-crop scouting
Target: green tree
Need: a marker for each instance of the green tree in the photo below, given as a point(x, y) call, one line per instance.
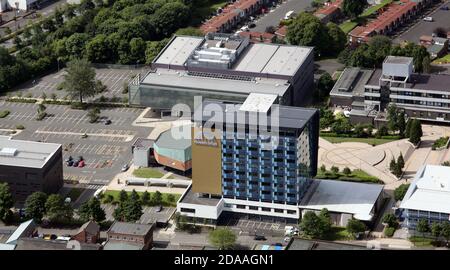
point(445, 230)
point(145, 198)
point(92, 210)
point(157, 198)
point(323, 169)
point(400, 161)
point(337, 37)
point(436, 229)
point(392, 165)
point(408, 128)
point(153, 48)
point(355, 226)
point(98, 49)
point(392, 117)
point(415, 132)
point(93, 114)
point(222, 238)
point(334, 169)
point(324, 85)
point(326, 118)
point(6, 200)
point(307, 30)
point(137, 50)
point(353, 8)
point(426, 64)
point(401, 125)
point(347, 171)
point(132, 208)
point(123, 196)
point(390, 220)
point(315, 226)
point(189, 31)
point(76, 45)
point(341, 126)
point(80, 79)
point(171, 198)
point(382, 131)
point(35, 206)
point(400, 192)
point(423, 226)
point(57, 209)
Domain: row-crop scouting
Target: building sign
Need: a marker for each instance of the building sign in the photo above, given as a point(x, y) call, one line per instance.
point(205, 142)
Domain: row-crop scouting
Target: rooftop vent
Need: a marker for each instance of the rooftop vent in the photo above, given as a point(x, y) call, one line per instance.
point(8, 152)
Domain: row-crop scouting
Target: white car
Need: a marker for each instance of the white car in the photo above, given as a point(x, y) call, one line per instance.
point(245, 28)
point(428, 19)
point(288, 15)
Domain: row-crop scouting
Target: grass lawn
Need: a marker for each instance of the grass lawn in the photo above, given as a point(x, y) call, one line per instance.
point(165, 201)
point(3, 114)
point(355, 176)
point(213, 5)
point(443, 60)
point(420, 241)
point(371, 141)
point(371, 10)
point(441, 142)
point(74, 193)
point(147, 173)
point(348, 26)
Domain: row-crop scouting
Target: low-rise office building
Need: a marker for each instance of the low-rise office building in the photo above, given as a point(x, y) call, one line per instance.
point(224, 67)
point(428, 196)
point(29, 166)
point(367, 93)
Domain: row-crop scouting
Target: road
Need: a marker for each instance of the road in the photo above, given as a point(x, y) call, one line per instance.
point(275, 15)
point(441, 18)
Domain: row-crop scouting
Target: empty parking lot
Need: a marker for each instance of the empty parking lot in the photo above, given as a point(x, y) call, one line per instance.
point(113, 79)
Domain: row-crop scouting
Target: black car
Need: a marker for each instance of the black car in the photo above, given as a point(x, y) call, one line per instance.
point(70, 158)
point(75, 164)
point(70, 163)
point(252, 25)
point(108, 122)
point(444, 8)
point(259, 238)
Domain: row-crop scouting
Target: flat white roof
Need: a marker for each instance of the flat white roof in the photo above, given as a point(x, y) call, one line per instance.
point(344, 197)
point(258, 102)
point(180, 79)
point(273, 59)
point(179, 50)
point(25, 153)
point(286, 60)
point(429, 191)
point(256, 58)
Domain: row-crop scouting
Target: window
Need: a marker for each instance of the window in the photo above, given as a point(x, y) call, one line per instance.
point(291, 212)
point(265, 209)
point(279, 211)
point(253, 208)
point(187, 210)
point(240, 206)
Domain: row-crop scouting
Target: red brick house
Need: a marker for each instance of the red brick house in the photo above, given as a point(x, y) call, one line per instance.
point(89, 232)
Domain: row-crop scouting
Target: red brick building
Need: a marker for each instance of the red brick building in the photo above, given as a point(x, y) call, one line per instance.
point(89, 232)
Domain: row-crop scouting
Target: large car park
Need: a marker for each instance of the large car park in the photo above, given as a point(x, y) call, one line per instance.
point(96, 157)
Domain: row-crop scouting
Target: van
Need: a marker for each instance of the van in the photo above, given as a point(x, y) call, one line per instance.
point(288, 15)
point(428, 19)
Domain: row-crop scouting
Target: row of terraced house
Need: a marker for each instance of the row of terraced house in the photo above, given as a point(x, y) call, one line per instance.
point(390, 18)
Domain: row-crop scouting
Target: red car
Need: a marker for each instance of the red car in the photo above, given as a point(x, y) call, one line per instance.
point(81, 164)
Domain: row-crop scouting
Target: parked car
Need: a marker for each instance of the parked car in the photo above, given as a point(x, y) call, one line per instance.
point(245, 28)
point(108, 122)
point(70, 163)
point(252, 25)
point(287, 239)
point(158, 208)
point(289, 15)
point(259, 238)
point(125, 168)
point(70, 158)
point(75, 163)
point(444, 8)
point(428, 19)
point(81, 164)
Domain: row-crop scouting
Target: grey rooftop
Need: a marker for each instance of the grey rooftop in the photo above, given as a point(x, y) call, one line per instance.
point(29, 154)
point(130, 228)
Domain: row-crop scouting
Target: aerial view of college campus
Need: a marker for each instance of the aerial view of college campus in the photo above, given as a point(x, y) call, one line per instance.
point(225, 125)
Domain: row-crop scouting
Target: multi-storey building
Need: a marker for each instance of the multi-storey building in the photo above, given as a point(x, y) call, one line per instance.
point(29, 166)
point(224, 67)
point(367, 92)
point(247, 169)
point(427, 196)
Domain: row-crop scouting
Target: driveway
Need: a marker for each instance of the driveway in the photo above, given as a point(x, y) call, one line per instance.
point(441, 18)
point(274, 16)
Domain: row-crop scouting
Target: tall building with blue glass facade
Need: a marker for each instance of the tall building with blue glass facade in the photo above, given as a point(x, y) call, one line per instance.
point(249, 168)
